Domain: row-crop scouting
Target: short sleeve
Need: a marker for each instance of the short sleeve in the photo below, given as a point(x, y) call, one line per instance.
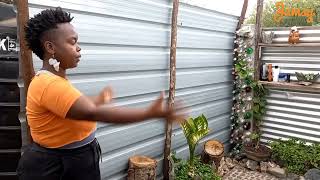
point(59, 96)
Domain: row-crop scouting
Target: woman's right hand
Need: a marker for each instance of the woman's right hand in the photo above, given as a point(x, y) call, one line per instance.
point(160, 109)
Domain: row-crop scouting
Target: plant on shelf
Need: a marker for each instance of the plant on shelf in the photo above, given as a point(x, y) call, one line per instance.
point(307, 79)
point(194, 129)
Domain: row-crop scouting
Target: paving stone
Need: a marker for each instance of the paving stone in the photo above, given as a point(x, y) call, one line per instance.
point(240, 173)
point(276, 171)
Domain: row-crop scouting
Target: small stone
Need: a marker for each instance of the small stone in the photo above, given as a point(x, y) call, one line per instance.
point(312, 174)
point(243, 162)
point(222, 161)
point(292, 176)
point(229, 163)
point(301, 178)
point(272, 164)
point(196, 177)
point(235, 162)
point(252, 165)
point(278, 172)
point(263, 167)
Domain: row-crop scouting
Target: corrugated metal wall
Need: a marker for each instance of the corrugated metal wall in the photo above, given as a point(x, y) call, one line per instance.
point(125, 44)
point(290, 113)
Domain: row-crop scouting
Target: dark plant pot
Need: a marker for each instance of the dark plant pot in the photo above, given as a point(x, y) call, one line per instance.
point(262, 153)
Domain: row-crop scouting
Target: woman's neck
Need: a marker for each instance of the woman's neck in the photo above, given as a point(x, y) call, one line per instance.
point(50, 68)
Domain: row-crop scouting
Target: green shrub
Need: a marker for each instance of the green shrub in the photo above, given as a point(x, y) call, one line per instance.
point(183, 170)
point(296, 155)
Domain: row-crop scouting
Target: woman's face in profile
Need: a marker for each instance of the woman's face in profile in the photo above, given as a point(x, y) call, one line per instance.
point(66, 48)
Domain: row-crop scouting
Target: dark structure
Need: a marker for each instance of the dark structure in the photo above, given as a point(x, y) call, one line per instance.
point(10, 128)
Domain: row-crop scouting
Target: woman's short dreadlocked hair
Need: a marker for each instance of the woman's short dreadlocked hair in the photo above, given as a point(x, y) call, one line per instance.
point(42, 22)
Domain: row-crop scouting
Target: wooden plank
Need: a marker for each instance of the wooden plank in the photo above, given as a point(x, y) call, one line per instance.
point(294, 86)
point(290, 45)
point(25, 54)
point(289, 28)
point(243, 14)
point(258, 40)
point(167, 146)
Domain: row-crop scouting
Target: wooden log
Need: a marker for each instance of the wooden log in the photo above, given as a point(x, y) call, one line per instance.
point(142, 168)
point(213, 151)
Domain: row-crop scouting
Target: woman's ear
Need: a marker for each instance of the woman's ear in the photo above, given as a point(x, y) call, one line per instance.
point(49, 47)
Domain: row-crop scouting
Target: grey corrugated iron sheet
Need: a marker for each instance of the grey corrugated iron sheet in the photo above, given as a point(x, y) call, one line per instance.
point(126, 44)
point(290, 113)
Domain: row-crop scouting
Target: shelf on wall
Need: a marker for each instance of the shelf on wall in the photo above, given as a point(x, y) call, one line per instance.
point(315, 88)
point(290, 45)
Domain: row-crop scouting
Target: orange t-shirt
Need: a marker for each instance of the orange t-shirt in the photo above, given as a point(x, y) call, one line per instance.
point(48, 101)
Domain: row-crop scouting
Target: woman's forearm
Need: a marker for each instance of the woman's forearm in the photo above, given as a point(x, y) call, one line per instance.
point(112, 114)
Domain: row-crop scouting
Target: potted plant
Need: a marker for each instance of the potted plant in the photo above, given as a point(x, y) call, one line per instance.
point(194, 129)
point(307, 79)
point(253, 148)
point(256, 151)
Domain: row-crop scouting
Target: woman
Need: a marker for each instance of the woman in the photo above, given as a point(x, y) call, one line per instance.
point(62, 120)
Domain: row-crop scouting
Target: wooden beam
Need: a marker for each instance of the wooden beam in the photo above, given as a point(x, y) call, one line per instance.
point(258, 40)
point(240, 22)
point(167, 146)
point(290, 45)
point(314, 88)
point(25, 55)
point(243, 14)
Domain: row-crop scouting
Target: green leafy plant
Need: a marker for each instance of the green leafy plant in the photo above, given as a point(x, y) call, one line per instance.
point(194, 130)
point(259, 102)
point(269, 9)
point(296, 155)
point(200, 170)
point(242, 69)
point(311, 77)
point(259, 110)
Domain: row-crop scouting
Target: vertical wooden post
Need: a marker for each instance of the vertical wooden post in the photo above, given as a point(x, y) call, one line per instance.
point(258, 40)
point(167, 146)
point(241, 19)
point(25, 53)
point(25, 58)
point(243, 14)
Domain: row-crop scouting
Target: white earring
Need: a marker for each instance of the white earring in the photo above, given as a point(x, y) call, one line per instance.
point(54, 63)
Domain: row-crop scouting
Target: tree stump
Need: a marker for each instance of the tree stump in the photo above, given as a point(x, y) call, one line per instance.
point(213, 151)
point(142, 168)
